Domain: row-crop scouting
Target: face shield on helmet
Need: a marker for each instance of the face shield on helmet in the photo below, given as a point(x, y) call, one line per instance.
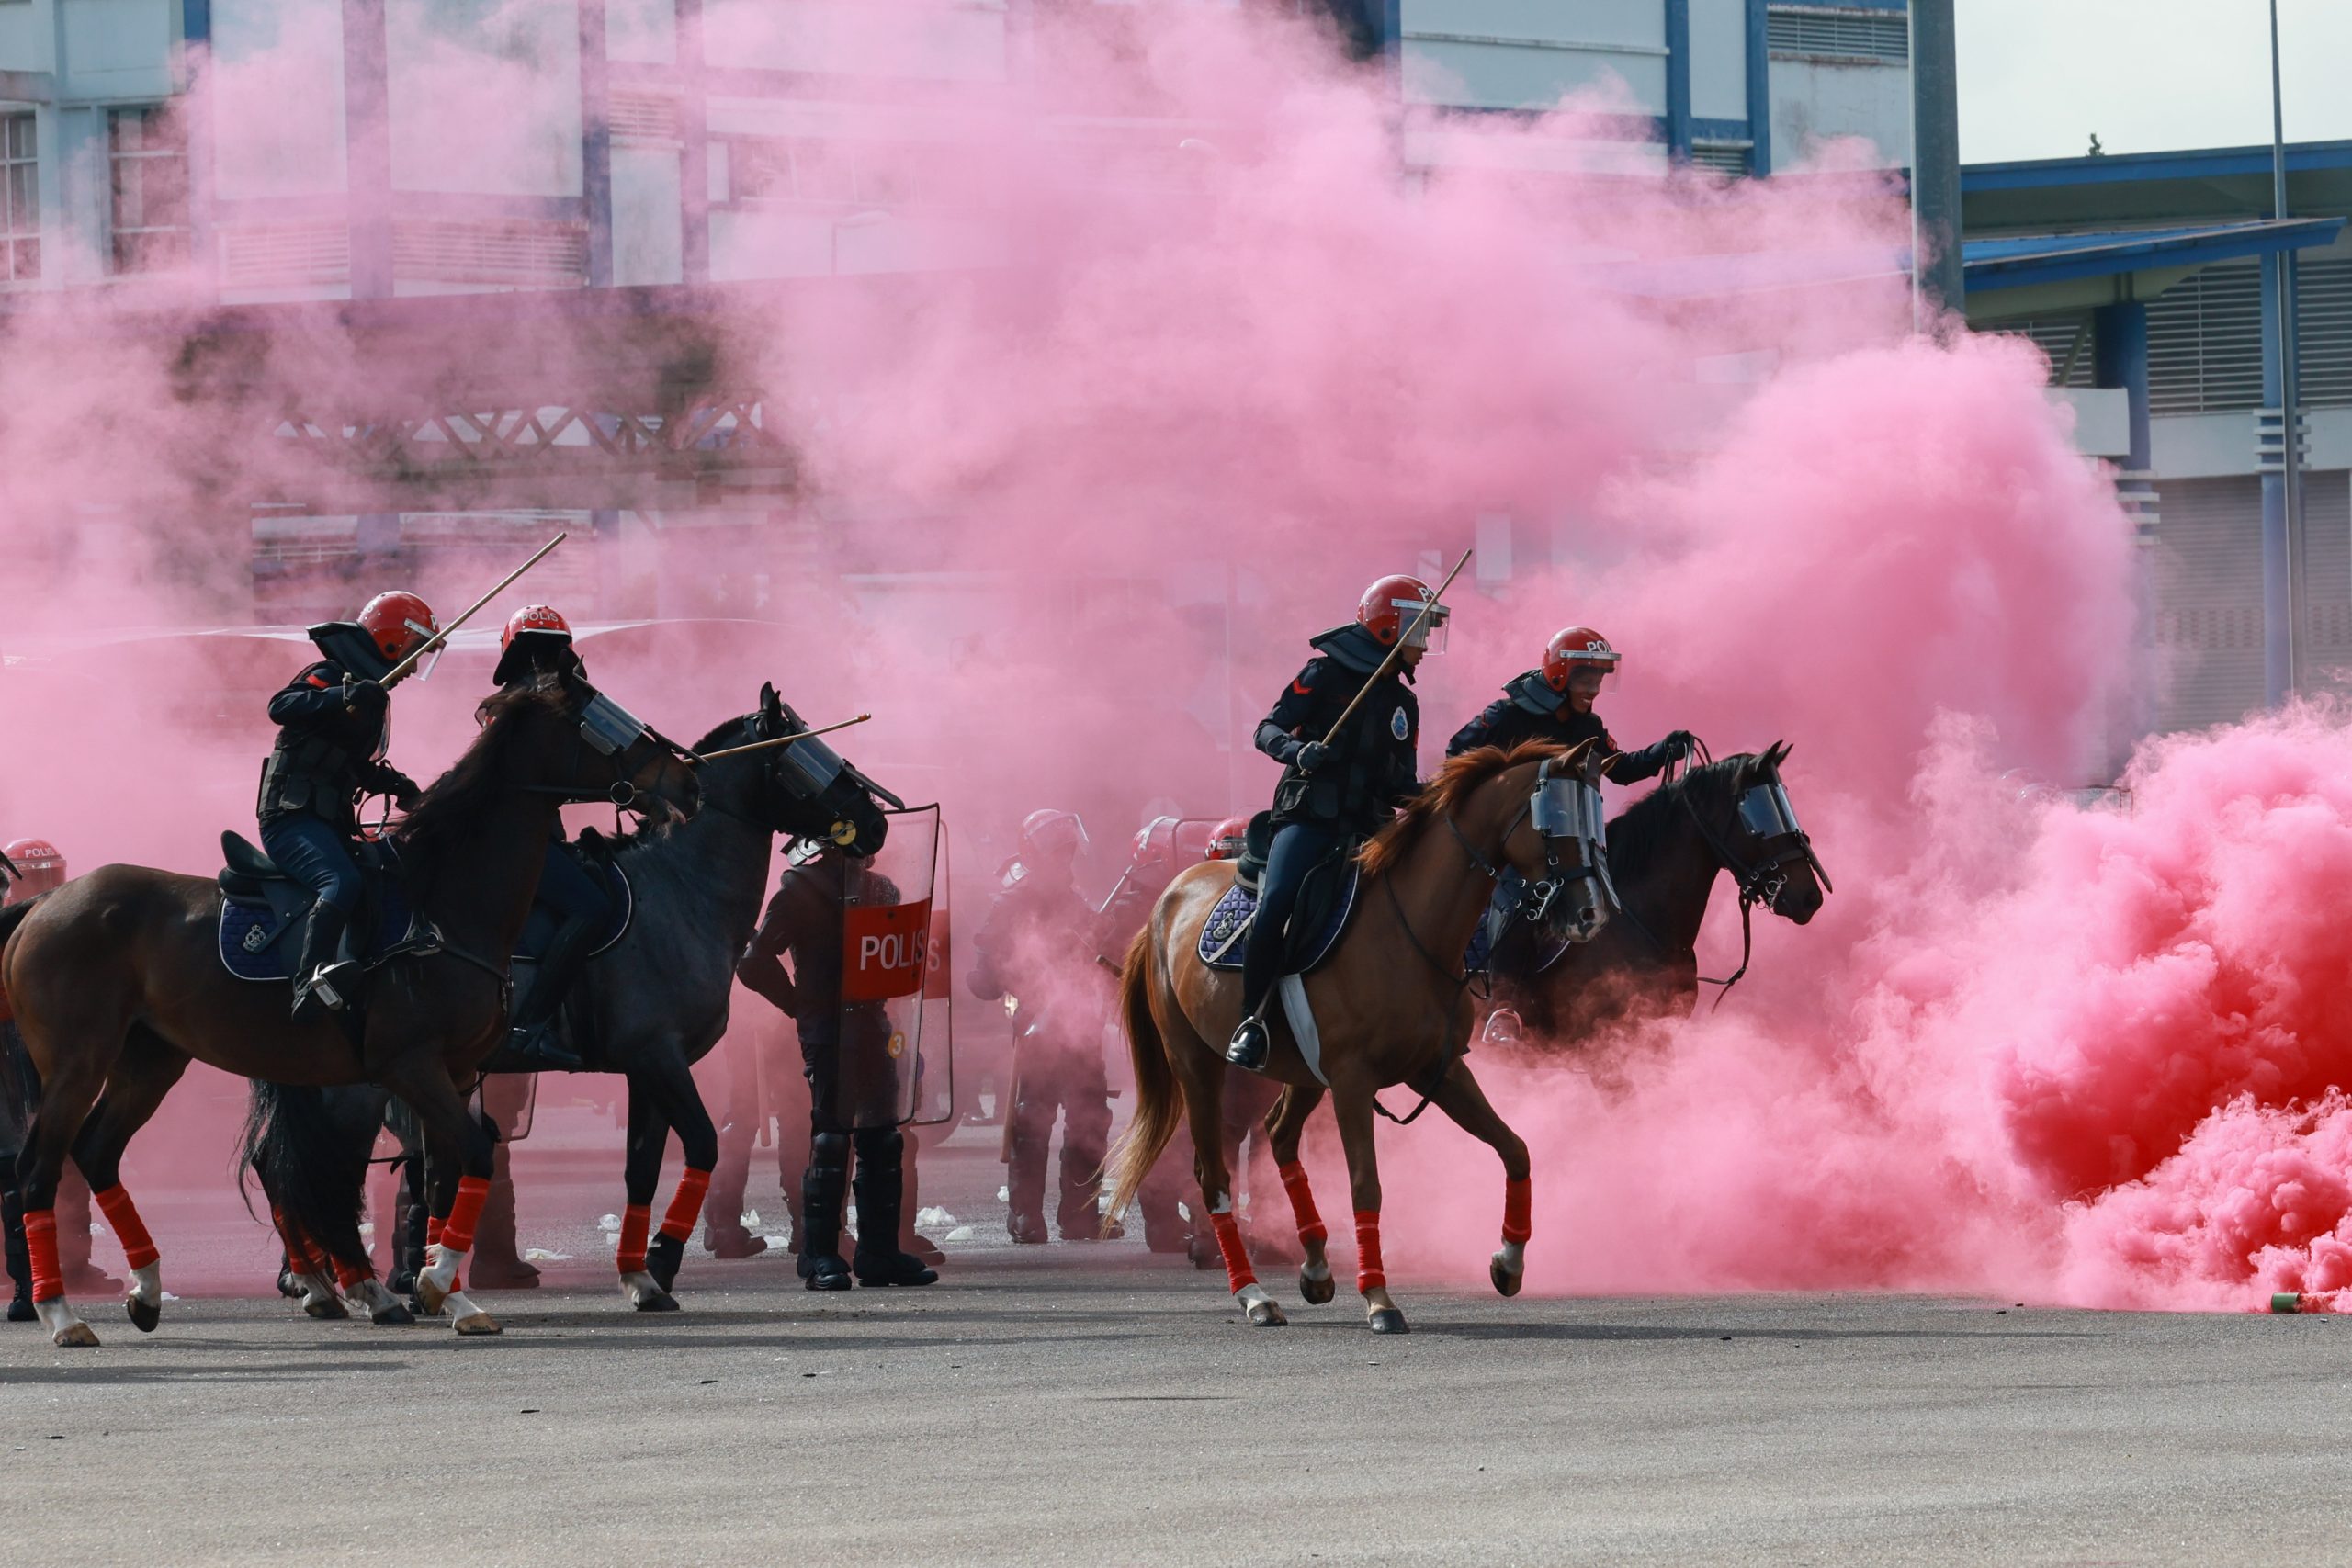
point(1045, 833)
point(1424, 632)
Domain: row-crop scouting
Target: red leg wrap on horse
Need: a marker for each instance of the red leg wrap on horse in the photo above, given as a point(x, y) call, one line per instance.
point(122, 1218)
point(41, 1244)
point(1370, 1276)
point(347, 1275)
point(432, 1232)
point(1519, 1207)
point(458, 1230)
point(1238, 1271)
point(678, 1223)
point(637, 1221)
point(1302, 1202)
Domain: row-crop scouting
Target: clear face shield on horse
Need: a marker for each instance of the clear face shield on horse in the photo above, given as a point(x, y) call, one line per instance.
point(1766, 815)
point(1575, 896)
point(611, 730)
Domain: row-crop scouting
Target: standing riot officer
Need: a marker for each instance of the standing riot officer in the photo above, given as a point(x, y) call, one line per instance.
point(852, 1084)
point(1345, 788)
point(335, 722)
point(28, 868)
point(1037, 949)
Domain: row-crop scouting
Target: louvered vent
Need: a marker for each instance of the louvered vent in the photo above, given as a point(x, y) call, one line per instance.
point(1827, 32)
point(2207, 569)
point(1722, 158)
point(643, 116)
point(520, 254)
point(286, 254)
point(2324, 332)
point(2205, 343)
point(2066, 340)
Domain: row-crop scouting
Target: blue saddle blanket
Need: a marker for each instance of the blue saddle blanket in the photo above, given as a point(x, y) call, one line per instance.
point(1226, 934)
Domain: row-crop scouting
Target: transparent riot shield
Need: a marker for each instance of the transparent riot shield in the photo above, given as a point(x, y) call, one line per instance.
point(896, 1033)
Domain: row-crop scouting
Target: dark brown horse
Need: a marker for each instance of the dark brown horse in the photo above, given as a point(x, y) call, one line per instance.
point(1389, 1006)
point(117, 984)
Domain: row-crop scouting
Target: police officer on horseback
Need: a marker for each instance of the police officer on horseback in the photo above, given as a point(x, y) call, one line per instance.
point(1337, 789)
point(334, 723)
point(1554, 702)
point(536, 642)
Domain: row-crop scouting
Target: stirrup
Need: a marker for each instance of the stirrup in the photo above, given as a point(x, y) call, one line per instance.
point(1503, 1028)
point(536, 1045)
point(323, 988)
point(1252, 1043)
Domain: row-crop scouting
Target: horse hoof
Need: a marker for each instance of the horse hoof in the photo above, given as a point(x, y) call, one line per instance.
point(476, 1323)
point(391, 1314)
point(418, 1309)
point(430, 1294)
point(664, 1259)
point(327, 1310)
point(660, 1302)
point(1266, 1315)
point(1506, 1282)
point(76, 1337)
point(144, 1316)
point(1317, 1291)
point(1389, 1320)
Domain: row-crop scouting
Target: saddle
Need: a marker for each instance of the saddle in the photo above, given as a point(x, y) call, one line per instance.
point(1326, 901)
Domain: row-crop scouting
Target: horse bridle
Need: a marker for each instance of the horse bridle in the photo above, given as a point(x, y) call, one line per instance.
point(1560, 809)
point(609, 729)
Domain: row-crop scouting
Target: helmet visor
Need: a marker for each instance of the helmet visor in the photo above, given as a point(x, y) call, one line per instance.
point(1426, 632)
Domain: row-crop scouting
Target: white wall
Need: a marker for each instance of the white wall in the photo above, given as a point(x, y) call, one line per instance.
point(957, 41)
point(485, 98)
point(28, 35)
point(1719, 58)
point(118, 48)
point(1814, 101)
point(1529, 53)
point(2210, 445)
point(649, 238)
point(278, 82)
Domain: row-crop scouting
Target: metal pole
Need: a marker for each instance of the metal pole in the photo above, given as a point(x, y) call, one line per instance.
point(1937, 280)
point(2289, 385)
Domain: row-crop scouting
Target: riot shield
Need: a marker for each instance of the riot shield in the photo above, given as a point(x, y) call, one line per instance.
point(895, 1021)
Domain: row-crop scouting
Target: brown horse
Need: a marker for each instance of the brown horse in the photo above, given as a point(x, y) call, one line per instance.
point(117, 985)
point(1389, 1005)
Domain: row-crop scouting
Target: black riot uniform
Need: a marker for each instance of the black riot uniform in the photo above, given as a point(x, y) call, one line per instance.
point(1037, 946)
point(333, 724)
point(852, 1085)
point(538, 643)
point(1328, 795)
point(1530, 709)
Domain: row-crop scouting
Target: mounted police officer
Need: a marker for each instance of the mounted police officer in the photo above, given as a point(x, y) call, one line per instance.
point(334, 725)
point(845, 1051)
point(537, 641)
point(1554, 702)
point(32, 867)
point(1343, 788)
point(1037, 948)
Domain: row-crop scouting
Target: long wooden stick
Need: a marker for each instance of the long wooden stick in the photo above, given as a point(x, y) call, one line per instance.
point(1398, 652)
point(399, 671)
point(782, 740)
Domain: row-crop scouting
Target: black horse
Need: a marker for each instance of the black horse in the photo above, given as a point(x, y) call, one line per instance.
point(1665, 853)
point(657, 1001)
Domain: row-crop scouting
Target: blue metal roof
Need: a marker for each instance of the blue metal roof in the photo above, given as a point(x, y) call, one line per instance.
point(2112, 168)
point(2059, 258)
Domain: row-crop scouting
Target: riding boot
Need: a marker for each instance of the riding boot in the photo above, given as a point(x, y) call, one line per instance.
point(1026, 1174)
point(881, 1193)
point(532, 1035)
point(408, 1235)
point(1252, 1040)
point(322, 962)
point(824, 1188)
point(20, 1263)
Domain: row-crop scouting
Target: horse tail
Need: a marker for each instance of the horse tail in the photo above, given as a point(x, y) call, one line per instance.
point(310, 1168)
point(1160, 1101)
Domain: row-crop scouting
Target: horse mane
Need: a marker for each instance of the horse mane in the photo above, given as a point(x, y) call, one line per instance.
point(1638, 834)
point(459, 796)
point(1454, 779)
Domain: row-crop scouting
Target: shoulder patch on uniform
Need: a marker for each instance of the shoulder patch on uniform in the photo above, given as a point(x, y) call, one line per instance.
point(315, 681)
point(1399, 726)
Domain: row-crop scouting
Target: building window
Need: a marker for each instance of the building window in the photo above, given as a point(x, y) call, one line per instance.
point(19, 201)
point(1828, 32)
point(149, 152)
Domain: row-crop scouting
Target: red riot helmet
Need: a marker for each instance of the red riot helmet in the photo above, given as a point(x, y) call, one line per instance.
point(536, 638)
point(538, 620)
point(39, 869)
point(1227, 840)
point(1046, 831)
point(1579, 648)
point(398, 623)
point(1390, 607)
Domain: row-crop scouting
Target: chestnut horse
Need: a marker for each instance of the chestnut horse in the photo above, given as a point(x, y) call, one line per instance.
point(1390, 1004)
point(117, 984)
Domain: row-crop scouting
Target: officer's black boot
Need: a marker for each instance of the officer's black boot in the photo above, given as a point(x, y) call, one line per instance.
point(322, 973)
point(1024, 1174)
point(824, 1188)
point(532, 1036)
point(20, 1262)
point(881, 1193)
point(410, 1215)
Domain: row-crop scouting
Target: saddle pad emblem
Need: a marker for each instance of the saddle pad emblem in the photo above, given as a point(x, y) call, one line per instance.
point(257, 938)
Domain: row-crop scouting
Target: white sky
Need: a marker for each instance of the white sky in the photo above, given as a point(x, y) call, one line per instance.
point(2037, 77)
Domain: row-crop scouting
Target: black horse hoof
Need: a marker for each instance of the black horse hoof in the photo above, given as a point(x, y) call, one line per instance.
point(286, 1285)
point(662, 1301)
point(326, 1311)
point(144, 1316)
point(662, 1260)
point(1506, 1283)
point(391, 1314)
point(1317, 1291)
point(1267, 1314)
point(1389, 1320)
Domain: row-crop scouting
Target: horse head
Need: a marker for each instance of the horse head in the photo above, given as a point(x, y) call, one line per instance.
point(1764, 848)
point(810, 791)
point(1559, 846)
point(584, 747)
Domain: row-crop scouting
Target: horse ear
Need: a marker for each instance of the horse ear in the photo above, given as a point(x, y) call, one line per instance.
point(769, 701)
point(1777, 754)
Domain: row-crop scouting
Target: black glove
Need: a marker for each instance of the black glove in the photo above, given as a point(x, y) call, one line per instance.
point(401, 787)
point(1309, 757)
point(1681, 743)
point(364, 696)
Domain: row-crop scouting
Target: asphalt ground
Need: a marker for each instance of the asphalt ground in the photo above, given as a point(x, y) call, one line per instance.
point(1099, 1405)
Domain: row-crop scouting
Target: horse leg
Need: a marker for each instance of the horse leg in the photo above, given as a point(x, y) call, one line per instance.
point(458, 1155)
point(66, 1099)
point(1285, 1123)
point(671, 1084)
point(1207, 1117)
point(1460, 1098)
point(648, 1136)
point(1353, 1107)
point(142, 1075)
